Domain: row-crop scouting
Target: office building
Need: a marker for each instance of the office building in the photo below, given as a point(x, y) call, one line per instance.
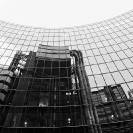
point(75, 79)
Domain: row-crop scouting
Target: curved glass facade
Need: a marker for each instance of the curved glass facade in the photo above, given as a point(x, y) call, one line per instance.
point(77, 79)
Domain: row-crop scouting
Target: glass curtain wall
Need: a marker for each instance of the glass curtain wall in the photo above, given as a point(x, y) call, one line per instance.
point(76, 79)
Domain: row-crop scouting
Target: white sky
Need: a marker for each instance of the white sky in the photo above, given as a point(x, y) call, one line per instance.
point(61, 13)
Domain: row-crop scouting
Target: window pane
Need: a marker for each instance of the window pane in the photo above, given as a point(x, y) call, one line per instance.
point(117, 77)
point(108, 79)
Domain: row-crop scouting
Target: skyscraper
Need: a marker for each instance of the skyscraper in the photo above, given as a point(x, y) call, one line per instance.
point(73, 79)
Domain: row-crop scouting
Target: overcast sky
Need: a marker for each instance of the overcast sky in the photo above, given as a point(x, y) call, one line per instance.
point(61, 13)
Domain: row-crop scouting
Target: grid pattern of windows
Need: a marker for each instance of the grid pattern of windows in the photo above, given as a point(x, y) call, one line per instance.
point(107, 49)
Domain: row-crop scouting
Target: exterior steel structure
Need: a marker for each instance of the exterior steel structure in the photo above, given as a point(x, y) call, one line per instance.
point(76, 79)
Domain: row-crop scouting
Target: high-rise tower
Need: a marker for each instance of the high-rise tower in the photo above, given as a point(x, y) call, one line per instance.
point(76, 79)
point(52, 92)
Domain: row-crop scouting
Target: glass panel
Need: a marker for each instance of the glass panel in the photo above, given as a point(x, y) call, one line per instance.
point(68, 79)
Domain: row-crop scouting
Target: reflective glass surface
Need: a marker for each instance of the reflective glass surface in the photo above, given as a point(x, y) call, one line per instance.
point(78, 79)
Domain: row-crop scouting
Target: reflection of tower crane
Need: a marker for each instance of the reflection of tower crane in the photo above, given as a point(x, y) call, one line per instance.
point(16, 61)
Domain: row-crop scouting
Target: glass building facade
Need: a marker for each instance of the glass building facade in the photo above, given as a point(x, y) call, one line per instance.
point(76, 79)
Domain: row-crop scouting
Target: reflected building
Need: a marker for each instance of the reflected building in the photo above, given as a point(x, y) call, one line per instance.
point(51, 92)
point(76, 79)
point(112, 104)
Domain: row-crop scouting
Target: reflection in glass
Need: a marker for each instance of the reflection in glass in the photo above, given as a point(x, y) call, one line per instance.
point(78, 79)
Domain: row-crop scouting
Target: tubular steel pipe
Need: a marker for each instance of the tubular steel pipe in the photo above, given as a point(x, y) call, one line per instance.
point(86, 93)
point(83, 94)
point(89, 94)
